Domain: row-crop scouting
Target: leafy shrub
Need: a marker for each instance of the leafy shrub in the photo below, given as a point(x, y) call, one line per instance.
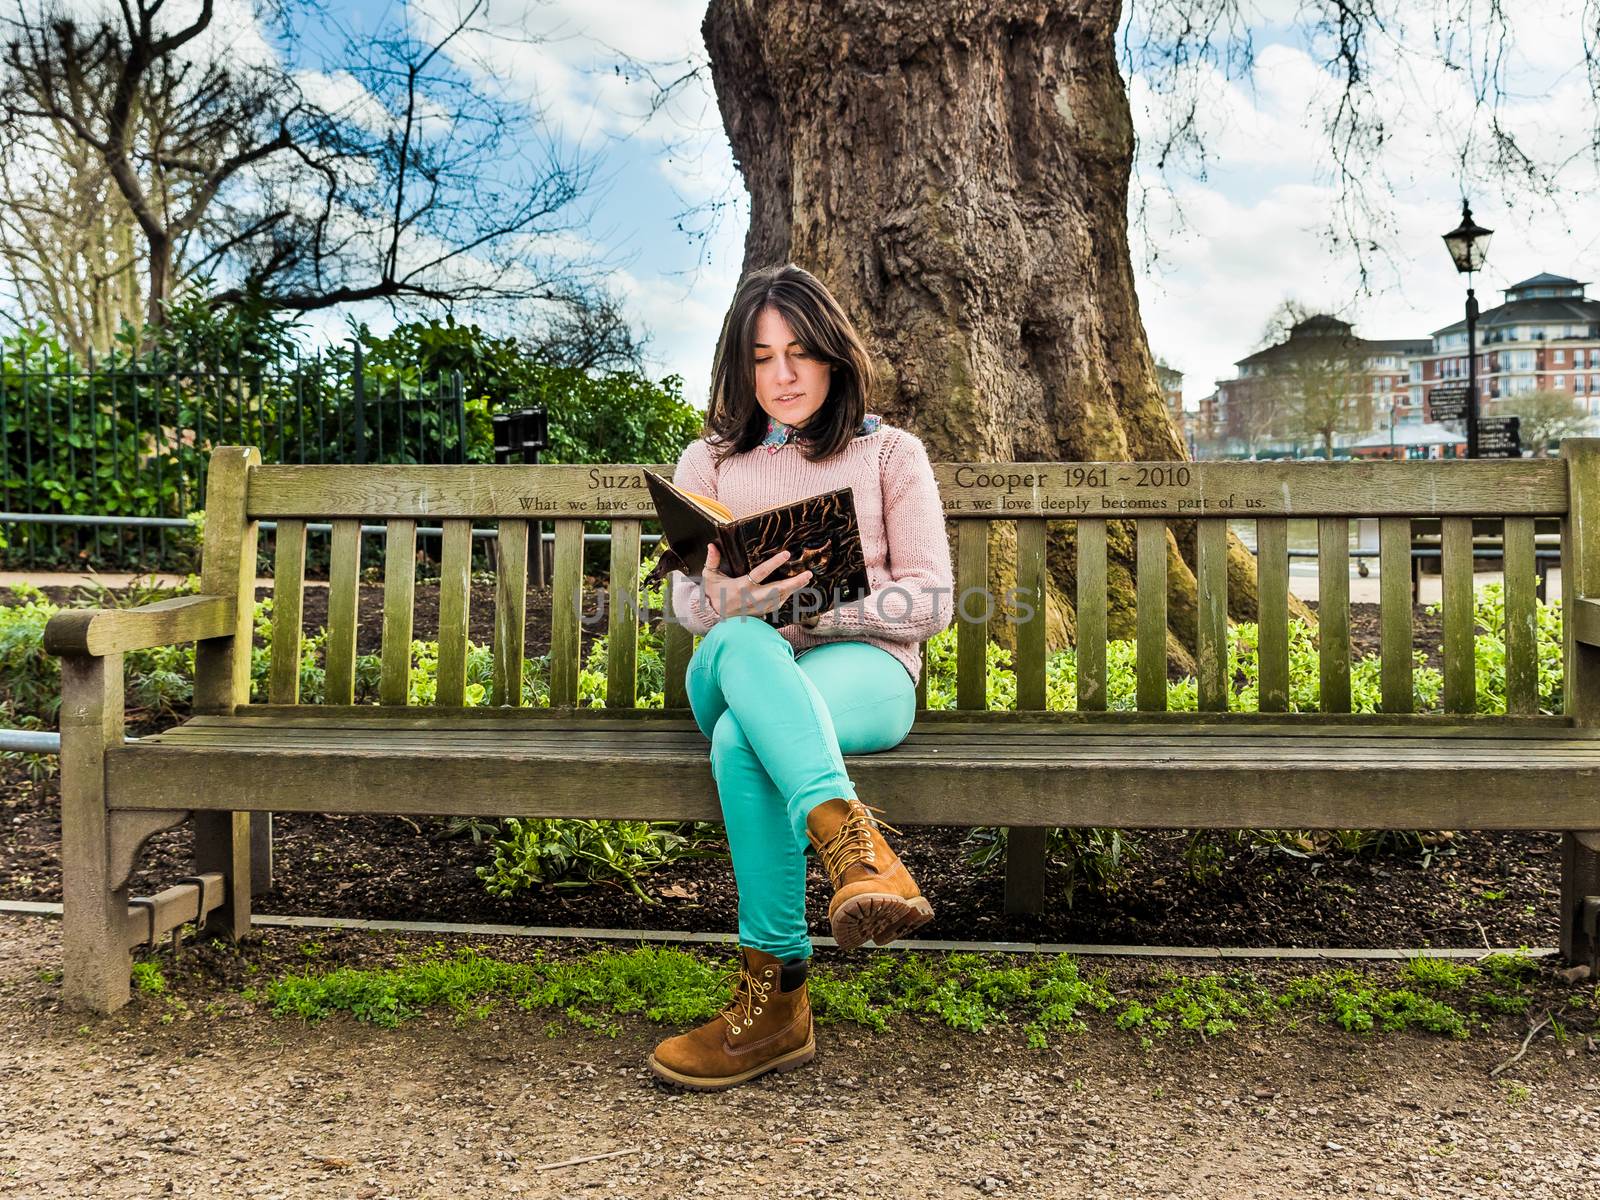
point(566, 854)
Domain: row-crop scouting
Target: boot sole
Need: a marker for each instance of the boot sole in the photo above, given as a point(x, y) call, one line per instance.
point(786, 1062)
point(880, 917)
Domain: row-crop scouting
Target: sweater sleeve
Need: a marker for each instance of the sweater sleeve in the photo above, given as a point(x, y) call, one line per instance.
point(918, 601)
point(696, 473)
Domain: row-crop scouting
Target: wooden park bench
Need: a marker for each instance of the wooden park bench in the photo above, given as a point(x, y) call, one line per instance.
point(1028, 769)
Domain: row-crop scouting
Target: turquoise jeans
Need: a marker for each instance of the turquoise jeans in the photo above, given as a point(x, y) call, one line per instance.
point(779, 724)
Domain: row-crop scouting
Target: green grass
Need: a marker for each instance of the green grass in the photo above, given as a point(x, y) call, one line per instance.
point(1041, 996)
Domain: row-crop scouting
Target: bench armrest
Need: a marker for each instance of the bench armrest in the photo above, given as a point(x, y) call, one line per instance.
point(96, 631)
point(1585, 617)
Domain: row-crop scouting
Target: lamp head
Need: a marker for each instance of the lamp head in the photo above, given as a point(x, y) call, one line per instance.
point(1468, 242)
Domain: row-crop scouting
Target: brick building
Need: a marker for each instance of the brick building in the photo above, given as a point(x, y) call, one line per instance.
point(1246, 415)
point(1545, 337)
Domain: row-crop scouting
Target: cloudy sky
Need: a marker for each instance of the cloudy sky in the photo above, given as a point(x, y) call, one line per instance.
point(1221, 247)
point(1217, 254)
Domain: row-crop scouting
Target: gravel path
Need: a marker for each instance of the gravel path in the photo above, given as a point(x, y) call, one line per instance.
point(230, 1102)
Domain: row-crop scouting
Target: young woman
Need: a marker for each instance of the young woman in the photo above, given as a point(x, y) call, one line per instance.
point(780, 706)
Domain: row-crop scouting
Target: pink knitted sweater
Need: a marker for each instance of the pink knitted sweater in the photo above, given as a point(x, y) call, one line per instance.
point(911, 593)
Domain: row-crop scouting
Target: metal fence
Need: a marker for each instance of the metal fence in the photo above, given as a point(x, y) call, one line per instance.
point(127, 440)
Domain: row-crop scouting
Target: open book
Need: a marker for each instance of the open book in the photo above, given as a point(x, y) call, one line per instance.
point(820, 533)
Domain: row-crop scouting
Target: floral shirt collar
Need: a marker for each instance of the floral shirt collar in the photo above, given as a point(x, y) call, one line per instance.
point(779, 434)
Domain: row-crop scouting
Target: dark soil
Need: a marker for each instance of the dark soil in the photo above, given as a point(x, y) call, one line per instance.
point(1477, 888)
point(1496, 887)
point(1427, 632)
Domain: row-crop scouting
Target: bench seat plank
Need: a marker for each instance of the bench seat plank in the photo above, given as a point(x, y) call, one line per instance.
point(1198, 724)
point(1137, 775)
point(1065, 741)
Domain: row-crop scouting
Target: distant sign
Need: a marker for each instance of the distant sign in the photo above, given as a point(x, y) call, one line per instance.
point(1500, 437)
point(1448, 402)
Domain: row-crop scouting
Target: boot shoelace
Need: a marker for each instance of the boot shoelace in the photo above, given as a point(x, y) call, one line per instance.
point(852, 843)
point(747, 990)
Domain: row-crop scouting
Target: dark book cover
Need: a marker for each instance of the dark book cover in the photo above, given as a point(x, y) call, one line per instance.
point(820, 532)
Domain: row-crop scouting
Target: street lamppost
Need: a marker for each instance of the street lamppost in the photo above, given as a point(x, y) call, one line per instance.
point(1468, 244)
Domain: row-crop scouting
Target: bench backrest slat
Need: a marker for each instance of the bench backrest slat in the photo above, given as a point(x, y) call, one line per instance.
point(399, 597)
point(1522, 649)
point(1580, 576)
point(566, 600)
point(1272, 614)
point(972, 613)
point(677, 647)
point(1460, 672)
point(228, 568)
point(455, 581)
point(1104, 505)
point(1333, 613)
point(510, 612)
point(1091, 604)
point(1150, 613)
point(1397, 670)
point(288, 609)
point(622, 615)
point(1211, 636)
point(1031, 592)
point(344, 580)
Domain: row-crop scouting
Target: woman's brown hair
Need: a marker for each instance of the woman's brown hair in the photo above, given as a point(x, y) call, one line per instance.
point(733, 418)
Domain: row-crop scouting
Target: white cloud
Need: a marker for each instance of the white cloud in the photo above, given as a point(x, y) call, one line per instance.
point(684, 312)
point(1256, 230)
point(563, 56)
point(234, 32)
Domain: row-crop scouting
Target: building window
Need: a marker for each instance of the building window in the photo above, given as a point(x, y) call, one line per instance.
point(1560, 383)
point(1560, 358)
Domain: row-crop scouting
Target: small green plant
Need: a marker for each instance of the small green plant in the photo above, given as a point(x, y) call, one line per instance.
point(480, 829)
point(148, 979)
point(1438, 974)
point(1357, 1003)
point(1204, 1005)
point(1516, 1094)
point(561, 853)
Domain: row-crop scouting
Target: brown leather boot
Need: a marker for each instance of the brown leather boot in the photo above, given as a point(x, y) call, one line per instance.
point(874, 895)
point(765, 1027)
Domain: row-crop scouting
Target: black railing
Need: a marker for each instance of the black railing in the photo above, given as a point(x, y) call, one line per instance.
point(132, 439)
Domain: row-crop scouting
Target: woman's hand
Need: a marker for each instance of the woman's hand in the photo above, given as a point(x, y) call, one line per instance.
point(745, 595)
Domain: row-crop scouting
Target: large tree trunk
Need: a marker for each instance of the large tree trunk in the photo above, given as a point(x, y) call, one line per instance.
point(956, 171)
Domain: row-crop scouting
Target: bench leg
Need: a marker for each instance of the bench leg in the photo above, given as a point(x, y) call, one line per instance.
point(260, 853)
point(1025, 869)
point(94, 921)
point(222, 843)
point(1580, 879)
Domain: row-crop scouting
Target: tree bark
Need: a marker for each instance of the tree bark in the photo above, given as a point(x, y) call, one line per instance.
point(956, 171)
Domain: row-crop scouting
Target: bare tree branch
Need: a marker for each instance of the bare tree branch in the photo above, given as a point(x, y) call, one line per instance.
point(428, 186)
